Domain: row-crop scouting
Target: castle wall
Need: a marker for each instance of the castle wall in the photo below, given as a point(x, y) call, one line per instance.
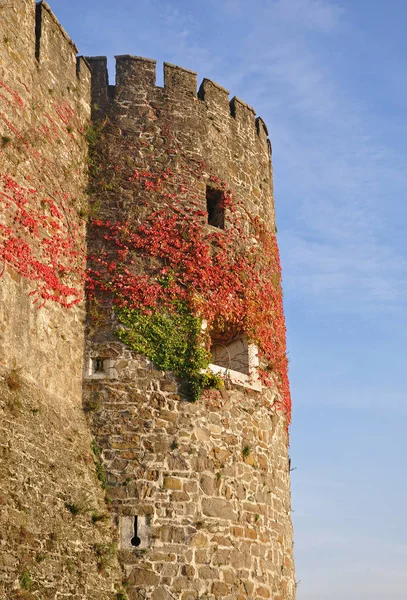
point(199, 492)
point(49, 546)
point(208, 482)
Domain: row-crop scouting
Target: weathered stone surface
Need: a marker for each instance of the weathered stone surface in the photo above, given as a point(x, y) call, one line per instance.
point(218, 523)
point(160, 593)
point(232, 516)
point(172, 483)
point(143, 577)
point(213, 504)
point(220, 589)
point(207, 484)
point(48, 485)
point(217, 507)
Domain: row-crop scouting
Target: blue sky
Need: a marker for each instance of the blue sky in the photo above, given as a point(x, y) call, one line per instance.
point(329, 79)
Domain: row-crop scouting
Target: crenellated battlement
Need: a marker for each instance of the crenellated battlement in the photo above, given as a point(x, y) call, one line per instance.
point(197, 493)
point(178, 80)
point(55, 52)
point(44, 14)
point(136, 79)
point(40, 46)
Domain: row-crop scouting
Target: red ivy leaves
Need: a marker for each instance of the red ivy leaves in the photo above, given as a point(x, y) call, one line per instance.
point(42, 243)
point(231, 278)
point(40, 234)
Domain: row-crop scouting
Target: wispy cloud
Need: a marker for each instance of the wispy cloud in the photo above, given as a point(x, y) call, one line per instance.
point(359, 275)
point(336, 252)
point(314, 14)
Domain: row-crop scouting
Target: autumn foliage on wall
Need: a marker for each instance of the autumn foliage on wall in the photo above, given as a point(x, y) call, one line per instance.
point(41, 234)
point(41, 243)
point(162, 257)
point(154, 258)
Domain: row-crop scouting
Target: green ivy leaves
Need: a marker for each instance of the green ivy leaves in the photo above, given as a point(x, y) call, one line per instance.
point(173, 340)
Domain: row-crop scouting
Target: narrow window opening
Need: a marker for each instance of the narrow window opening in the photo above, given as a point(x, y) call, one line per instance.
point(135, 532)
point(215, 205)
point(135, 540)
point(98, 366)
point(38, 29)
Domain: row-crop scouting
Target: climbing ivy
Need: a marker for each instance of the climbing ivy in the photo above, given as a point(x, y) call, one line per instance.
point(157, 263)
point(165, 271)
point(172, 339)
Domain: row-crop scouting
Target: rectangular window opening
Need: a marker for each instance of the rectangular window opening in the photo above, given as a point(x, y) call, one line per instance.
point(215, 205)
point(232, 355)
point(98, 365)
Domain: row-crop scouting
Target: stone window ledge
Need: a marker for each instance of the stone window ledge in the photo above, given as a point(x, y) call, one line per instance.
point(251, 381)
point(108, 369)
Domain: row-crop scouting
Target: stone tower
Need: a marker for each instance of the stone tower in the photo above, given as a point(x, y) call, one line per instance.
point(200, 491)
point(149, 458)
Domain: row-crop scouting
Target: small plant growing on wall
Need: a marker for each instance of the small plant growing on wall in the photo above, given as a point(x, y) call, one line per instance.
point(25, 580)
point(105, 553)
point(73, 508)
point(98, 517)
point(246, 451)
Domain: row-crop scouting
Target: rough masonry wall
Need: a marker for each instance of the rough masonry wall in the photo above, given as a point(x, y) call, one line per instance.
point(208, 482)
point(49, 546)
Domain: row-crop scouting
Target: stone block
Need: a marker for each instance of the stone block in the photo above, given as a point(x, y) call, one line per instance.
point(208, 484)
point(222, 557)
point(188, 571)
point(145, 577)
point(263, 592)
point(250, 533)
point(172, 483)
point(220, 589)
point(180, 497)
point(208, 573)
point(217, 507)
point(160, 593)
